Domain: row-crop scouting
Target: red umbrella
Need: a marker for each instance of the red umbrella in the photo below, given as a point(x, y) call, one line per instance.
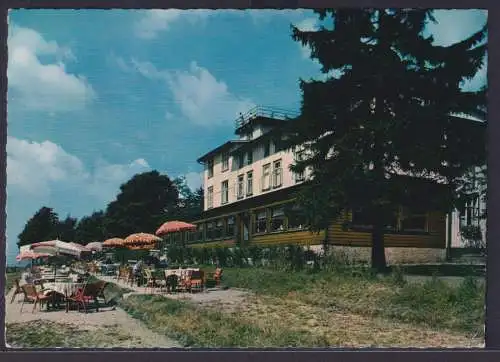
point(141, 239)
point(174, 226)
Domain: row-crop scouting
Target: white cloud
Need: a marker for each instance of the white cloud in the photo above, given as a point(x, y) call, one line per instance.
point(39, 86)
point(152, 22)
point(38, 169)
point(201, 98)
point(33, 166)
point(44, 174)
point(194, 180)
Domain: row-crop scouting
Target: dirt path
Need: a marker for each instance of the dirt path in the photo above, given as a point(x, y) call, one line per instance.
point(130, 332)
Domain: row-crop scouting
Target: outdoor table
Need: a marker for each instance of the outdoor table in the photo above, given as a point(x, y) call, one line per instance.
point(66, 289)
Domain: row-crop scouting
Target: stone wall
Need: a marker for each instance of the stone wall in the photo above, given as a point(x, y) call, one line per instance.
point(393, 255)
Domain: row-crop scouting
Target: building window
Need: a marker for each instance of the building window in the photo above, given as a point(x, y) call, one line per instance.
point(277, 174)
point(277, 219)
point(210, 197)
point(230, 226)
point(191, 236)
point(210, 230)
point(210, 168)
point(224, 196)
point(219, 229)
point(266, 177)
point(414, 220)
point(225, 162)
point(249, 183)
point(296, 218)
point(177, 237)
point(199, 232)
point(240, 187)
point(299, 176)
point(249, 157)
point(363, 219)
point(241, 160)
point(261, 222)
point(267, 149)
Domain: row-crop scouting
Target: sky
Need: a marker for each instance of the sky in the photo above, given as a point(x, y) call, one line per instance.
point(96, 96)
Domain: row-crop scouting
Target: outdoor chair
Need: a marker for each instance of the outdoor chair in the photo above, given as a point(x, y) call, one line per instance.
point(185, 280)
point(196, 281)
point(84, 296)
point(172, 281)
point(122, 274)
point(32, 295)
point(149, 279)
point(160, 279)
point(17, 291)
point(217, 276)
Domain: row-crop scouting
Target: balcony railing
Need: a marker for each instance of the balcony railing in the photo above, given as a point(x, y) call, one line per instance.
point(268, 112)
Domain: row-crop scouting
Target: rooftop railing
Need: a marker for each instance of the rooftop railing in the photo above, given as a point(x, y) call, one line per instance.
point(268, 112)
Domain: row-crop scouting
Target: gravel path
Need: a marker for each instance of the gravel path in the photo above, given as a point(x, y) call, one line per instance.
point(140, 336)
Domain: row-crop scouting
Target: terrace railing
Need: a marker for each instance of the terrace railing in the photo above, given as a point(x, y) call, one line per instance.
point(268, 112)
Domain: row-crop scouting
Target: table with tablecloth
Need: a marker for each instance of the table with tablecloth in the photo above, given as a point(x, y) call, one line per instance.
point(65, 289)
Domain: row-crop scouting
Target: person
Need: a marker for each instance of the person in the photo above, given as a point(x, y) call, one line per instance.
point(137, 270)
point(26, 277)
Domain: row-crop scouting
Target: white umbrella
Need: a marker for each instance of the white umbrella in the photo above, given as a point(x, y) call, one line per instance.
point(94, 246)
point(58, 247)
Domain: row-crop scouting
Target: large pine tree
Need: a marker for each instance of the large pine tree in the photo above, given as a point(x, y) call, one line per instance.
point(384, 109)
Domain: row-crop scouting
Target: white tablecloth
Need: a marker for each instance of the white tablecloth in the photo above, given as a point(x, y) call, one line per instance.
point(65, 289)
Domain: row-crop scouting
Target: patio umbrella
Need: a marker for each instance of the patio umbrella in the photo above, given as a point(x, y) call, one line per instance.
point(140, 239)
point(30, 255)
point(58, 247)
point(94, 246)
point(174, 226)
point(113, 242)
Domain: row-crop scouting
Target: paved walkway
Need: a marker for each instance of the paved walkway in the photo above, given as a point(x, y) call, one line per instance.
point(139, 335)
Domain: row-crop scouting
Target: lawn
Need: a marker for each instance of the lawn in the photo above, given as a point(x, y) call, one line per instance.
point(342, 308)
point(47, 334)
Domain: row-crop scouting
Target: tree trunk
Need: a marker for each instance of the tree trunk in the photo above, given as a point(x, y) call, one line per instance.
point(379, 263)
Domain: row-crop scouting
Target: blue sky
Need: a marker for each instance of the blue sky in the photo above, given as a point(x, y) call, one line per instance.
point(96, 96)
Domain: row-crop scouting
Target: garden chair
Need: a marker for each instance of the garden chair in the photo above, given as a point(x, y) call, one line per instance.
point(185, 280)
point(149, 279)
point(17, 291)
point(196, 281)
point(84, 296)
point(172, 282)
point(32, 295)
point(217, 276)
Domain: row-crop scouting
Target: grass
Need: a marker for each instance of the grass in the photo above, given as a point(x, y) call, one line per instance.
point(197, 327)
point(343, 308)
point(433, 304)
point(46, 334)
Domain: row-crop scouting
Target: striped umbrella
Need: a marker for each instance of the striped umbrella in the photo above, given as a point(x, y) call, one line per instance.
point(113, 242)
point(140, 239)
point(174, 226)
